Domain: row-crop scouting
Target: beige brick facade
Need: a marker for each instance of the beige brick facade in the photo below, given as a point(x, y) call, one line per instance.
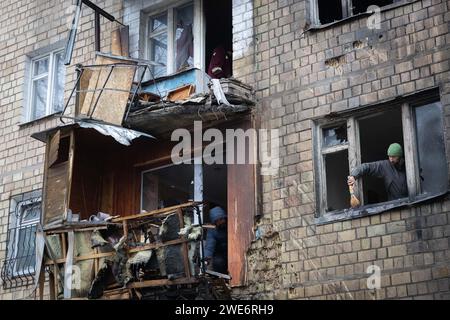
point(411, 52)
point(298, 75)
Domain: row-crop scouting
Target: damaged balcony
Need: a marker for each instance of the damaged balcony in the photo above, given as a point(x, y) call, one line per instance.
point(111, 228)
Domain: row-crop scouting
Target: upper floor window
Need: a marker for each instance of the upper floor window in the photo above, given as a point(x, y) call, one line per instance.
point(171, 39)
point(329, 11)
point(46, 85)
point(361, 146)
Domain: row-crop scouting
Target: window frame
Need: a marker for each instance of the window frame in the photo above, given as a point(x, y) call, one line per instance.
point(51, 77)
point(411, 154)
point(20, 225)
point(198, 31)
point(347, 12)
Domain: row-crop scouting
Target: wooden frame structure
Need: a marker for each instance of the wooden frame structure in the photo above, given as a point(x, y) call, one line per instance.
point(128, 225)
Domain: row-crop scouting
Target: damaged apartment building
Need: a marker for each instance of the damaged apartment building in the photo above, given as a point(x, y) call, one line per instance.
point(93, 207)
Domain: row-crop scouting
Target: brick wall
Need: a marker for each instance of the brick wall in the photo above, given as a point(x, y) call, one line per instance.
point(25, 27)
point(296, 258)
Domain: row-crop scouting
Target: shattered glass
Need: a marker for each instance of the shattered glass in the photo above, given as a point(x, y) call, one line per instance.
point(431, 148)
point(335, 135)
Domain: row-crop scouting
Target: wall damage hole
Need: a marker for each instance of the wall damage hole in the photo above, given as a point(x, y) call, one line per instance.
point(358, 44)
point(336, 62)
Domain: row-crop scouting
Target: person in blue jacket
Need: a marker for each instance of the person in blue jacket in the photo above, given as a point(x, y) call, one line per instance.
point(216, 241)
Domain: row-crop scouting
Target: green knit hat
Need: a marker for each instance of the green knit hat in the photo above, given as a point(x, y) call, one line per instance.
point(395, 150)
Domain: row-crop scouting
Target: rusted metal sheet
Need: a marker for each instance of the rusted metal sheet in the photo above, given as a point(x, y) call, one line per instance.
point(241, 212)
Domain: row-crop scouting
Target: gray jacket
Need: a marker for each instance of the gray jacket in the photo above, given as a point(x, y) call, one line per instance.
point(394, 176)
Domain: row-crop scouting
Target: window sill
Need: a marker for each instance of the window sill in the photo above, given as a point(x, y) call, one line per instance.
point(369, 210)
point(36, 121)
point(319, 27)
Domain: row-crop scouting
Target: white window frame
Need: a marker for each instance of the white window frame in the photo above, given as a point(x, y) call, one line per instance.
point(22, 225)
point(198, 31)
point(50, 74)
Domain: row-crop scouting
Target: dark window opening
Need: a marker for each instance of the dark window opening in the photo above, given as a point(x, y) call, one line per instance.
point(377, 132)
point(218, 15)
point(215, 186)
point(433, 170)
point(336, 168)
point(361, 6)
point(166, 187)
point(63, 150)
point(329, 11)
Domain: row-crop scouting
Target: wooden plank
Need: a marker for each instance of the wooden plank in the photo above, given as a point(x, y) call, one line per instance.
point(158, 245)
point(337, 148)
point(53, 148)
point(161, 282)
point(155, 212)
point(51, 285)
point(121, 77)
point(181, 93)
point(41, 284)
point(84, 257)
point(354, 154)
point(55, 193)
point(116, 48)
point(410, 145)
point(69, 172)
point(83, 85)
point(125, 40)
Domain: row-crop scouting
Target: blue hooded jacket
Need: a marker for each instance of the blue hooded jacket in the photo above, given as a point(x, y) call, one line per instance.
point(216, 239)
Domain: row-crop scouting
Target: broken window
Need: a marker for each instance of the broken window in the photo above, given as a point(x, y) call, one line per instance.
point(335, 159)
point(328, 11)
point(171, 39)
point(19, 265)
point(432, 163)
point(364, 138)
point(218, 38)
point(46, 87)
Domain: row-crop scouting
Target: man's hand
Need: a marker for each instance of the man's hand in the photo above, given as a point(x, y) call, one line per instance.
point(351, 180)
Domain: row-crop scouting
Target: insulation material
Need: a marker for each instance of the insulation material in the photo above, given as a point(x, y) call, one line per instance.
point(97, 239)
point(218, 92)
point(82, 247)
point(54, 251)
point(172, 256)
point(108, 105)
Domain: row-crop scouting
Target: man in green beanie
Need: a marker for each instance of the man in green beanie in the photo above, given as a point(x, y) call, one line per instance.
point(392, 171)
